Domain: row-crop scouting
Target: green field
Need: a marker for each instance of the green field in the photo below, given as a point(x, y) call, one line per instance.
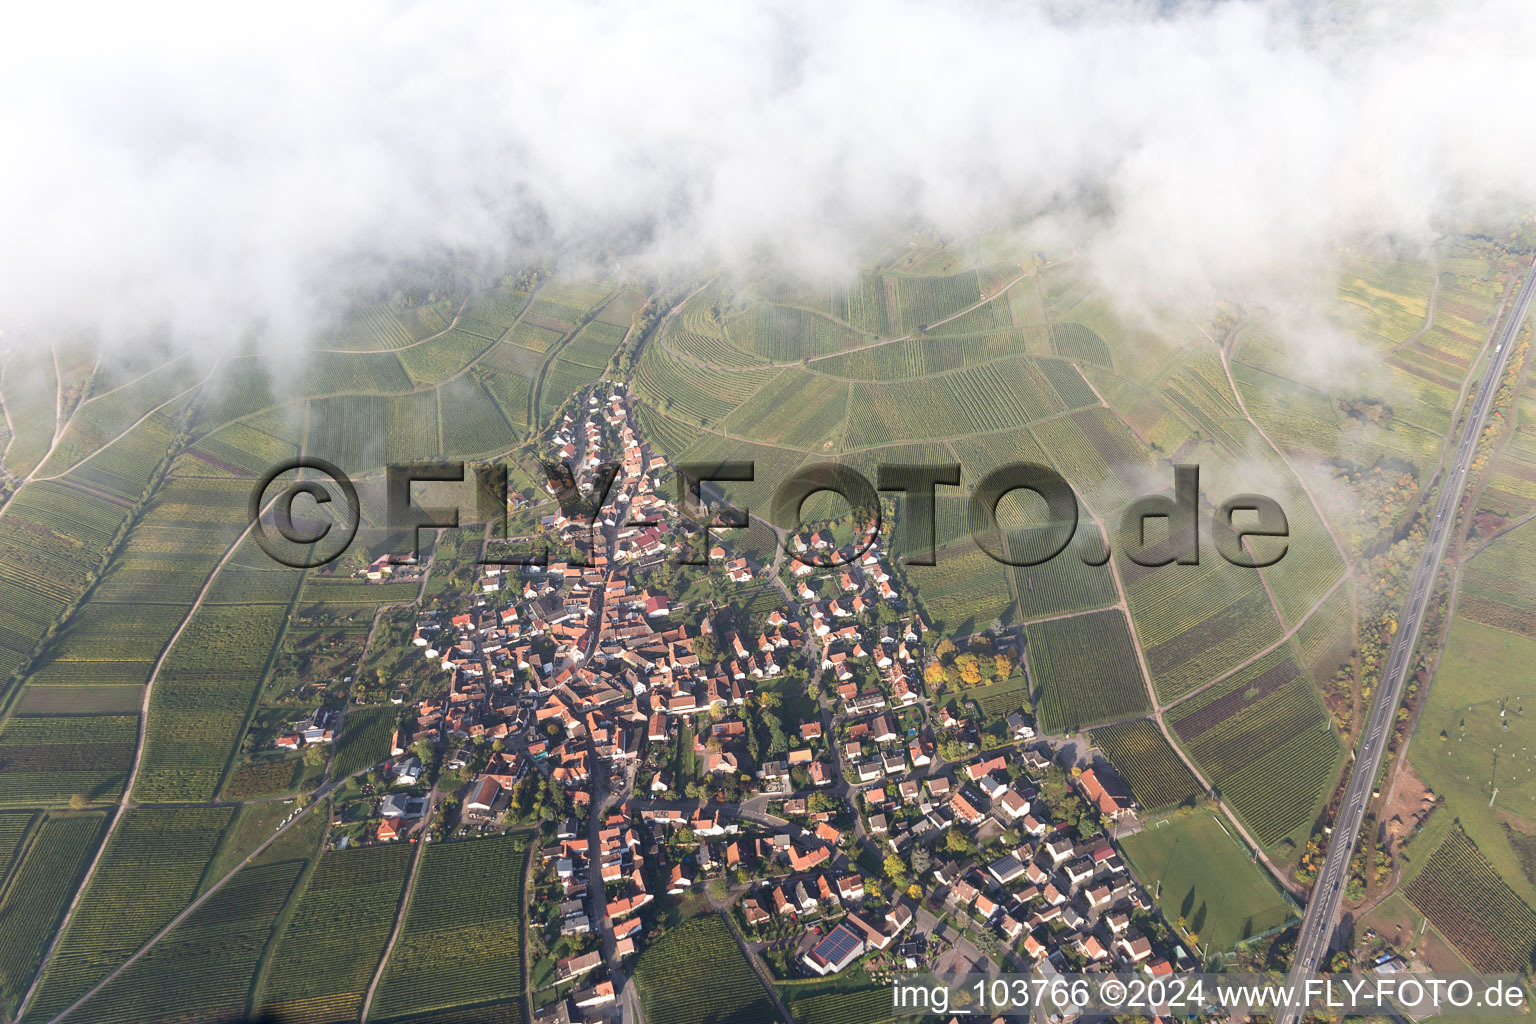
point(696, 974)
point(1478, 702)
point(1265, 744)
point(1202, 874)
point(1085, 670)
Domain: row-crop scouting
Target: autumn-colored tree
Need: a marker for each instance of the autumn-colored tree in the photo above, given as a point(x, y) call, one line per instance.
point(970, 669)
point(945, 650)
point(933, 675)
point(1002, 665)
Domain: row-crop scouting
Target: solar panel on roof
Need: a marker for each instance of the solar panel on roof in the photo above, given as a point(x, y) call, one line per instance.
point(841, 941)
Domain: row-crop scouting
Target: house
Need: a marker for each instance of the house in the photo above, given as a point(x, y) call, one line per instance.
point(1107, 795)
point(402, 805)
point(837, 949)
point(600, 994)
point(483, 802)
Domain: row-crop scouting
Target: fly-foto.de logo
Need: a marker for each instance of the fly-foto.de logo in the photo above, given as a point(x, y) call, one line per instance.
point(306, 512)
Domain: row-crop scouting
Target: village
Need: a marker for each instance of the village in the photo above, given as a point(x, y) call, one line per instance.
point(785, 763)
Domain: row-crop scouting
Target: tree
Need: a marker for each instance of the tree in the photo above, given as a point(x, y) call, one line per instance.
point(314, 755)
point(945, 650)
point(1002, 665)
point(970, 669)
point(78, 802)
point(704, 647)
point(955, 842)
point(933, 675)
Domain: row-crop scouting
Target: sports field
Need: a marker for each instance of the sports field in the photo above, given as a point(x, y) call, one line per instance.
point(1202, 875)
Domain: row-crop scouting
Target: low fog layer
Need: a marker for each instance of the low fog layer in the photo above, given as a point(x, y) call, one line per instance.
point(209, 169)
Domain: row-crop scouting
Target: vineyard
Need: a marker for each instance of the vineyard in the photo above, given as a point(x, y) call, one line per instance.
point(365, 739)
point(696, 974)
point(999, 699)
point(205, 691)
point(1153, 770)
point(1264, 743)
point(797, 408)
point(464, 923)
point(1197, 621)
point(203, 969)
point(1469, 904)
point(1085, 670)
point(36, 893)
point(1063, 584)
point(46, 759)
point(818, 1004)
point(151, 869)
point(702, 394)
point(326, 956)
point(996, 396)
point(964, 591)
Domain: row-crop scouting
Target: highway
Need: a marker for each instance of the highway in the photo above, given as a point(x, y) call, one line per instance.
point(1323, 908)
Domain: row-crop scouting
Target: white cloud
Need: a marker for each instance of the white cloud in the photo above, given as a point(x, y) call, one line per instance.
point(219, 167)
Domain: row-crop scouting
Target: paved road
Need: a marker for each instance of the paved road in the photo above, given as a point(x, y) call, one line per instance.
point(1323, 909)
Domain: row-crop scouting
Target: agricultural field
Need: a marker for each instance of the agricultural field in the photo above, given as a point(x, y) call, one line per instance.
point(36, 891)
point(1197, 621)
point(963, 591)
point(1202, 876)
point(48, 759)
point(1475, 734)
point(29, 388)
point(365, 739)
point(178, 979)
point(1476, 911)
point(1157, 777)
point(15, 830)
point(841, 1000)
point(1066, 583)
point(205, 692)
point(151, 869)
point(696, 974)
point(1495, 587)
point(1263, 741)
point(1084, 670)
point(455, 929)
point(323, 961)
